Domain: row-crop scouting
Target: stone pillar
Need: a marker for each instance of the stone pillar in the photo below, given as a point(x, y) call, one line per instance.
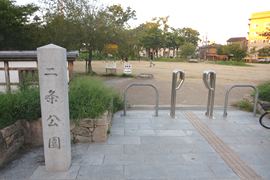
point(52, 68)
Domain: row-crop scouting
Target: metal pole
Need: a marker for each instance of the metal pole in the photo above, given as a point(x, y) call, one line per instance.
point(241, 85)
point(141, 84)
point(176, 85)
point(211, 92)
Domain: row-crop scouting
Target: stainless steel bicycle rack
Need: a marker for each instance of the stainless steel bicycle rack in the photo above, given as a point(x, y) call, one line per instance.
point(211, 93)
point(176, 85)
point(240, 85)
point(141, 84)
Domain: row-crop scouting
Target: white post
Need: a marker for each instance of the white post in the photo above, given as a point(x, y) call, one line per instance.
point(52, 68)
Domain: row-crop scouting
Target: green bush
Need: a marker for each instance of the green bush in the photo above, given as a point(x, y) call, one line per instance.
point(90, 98)
point(264, 91)
point(20, 104)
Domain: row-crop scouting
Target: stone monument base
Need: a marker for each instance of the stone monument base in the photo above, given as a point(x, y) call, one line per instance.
point(91, 130)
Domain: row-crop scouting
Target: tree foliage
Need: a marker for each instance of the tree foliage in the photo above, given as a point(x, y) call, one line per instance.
point(223, 50)
point(265, 34)
point(238, 52)
point(234, 49)
point(16, 29)
point(187, 50)
point(264, 52)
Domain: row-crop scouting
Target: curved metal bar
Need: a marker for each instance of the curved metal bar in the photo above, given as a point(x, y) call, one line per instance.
point(141, 84)
point(205, 79)
point(211, 93)
point(241, 85)
point(176, 85)
point(181, 78)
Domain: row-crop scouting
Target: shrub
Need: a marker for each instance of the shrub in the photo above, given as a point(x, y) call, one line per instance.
point(90, 98)
point(20, 104)
point(264, 91)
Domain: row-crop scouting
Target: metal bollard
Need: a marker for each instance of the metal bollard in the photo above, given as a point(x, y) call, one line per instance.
point(211, 93)
point(241, 85)
point(141, 84)
point(176, 85)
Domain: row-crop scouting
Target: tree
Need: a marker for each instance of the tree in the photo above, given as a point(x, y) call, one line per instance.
point(177, 39)
point(223, 50)
point(91, 25)
point(156, 35)
point(237, 51)
point(16, 30)
point(265, 34)
point(265, 51)
point(187, 50)
point(191, 35)
point(234, 49)
point(152, 38)
point(252, 51)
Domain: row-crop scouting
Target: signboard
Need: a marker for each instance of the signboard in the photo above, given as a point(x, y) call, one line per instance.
point(111, 64)
point(127, 68)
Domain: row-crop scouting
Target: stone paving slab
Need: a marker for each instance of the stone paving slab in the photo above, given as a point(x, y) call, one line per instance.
point(141, 146)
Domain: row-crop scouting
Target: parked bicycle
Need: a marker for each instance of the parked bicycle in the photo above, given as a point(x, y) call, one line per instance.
point(265, 118)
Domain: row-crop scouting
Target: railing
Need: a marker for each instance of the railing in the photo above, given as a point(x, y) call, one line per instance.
point(176, 85)
point(241, 85)
point(141, 84)
point(26, 73)
point(211, 93)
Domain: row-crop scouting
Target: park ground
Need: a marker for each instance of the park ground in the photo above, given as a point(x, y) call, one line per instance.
point(193, 91)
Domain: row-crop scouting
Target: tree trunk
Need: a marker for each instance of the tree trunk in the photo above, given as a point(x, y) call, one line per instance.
point(147, 53)
point(89, 63)
point(173, 53)
point(164, 52)
point(169, 50)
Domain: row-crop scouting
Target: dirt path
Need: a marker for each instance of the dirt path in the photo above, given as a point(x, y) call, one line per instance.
point(193, 91)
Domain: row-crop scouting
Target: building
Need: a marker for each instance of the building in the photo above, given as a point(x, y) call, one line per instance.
point(239, 40)
point(258, 23)
point(209, 51)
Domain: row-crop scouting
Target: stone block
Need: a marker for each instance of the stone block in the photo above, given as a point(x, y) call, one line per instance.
point(87, 122)
point(81, 131)
point(146, 76)
point(7, 131)
point(249, 98)
point(72, 125)
point(100, 134)
point(13, 138)
point(101, 122)
point(82, 139)
point(33, 132)
point(6, 153)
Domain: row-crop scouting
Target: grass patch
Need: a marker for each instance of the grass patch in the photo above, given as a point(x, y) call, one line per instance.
point(117, 75)
point(20, 104)
point(264, 91)
point(232, 63)
point(93, 73)
point(244, 105)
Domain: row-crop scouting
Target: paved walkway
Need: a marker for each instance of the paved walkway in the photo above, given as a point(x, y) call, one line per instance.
point(142, 146)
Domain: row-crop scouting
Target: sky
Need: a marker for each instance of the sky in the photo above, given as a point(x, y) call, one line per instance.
point(218, 20)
